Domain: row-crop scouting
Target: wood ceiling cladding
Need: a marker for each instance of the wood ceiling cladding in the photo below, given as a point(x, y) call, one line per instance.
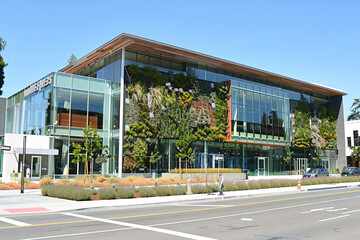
point(143, 45)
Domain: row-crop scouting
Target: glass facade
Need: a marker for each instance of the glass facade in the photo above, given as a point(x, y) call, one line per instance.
point(260, 116)
point(61, 110)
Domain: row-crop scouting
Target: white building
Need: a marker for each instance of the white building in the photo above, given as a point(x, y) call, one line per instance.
point(352, 138)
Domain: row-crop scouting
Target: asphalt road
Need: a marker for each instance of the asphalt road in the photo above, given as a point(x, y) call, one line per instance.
point(326, 214)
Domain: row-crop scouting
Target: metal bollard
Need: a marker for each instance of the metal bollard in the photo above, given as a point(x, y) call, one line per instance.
point(189, 186)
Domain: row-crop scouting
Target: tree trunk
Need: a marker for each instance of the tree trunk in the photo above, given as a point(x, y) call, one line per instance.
point(85, 171)
point(92, 169)
point(180, 168)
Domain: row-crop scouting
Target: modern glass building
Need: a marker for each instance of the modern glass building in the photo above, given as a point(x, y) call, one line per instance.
point(258, 111)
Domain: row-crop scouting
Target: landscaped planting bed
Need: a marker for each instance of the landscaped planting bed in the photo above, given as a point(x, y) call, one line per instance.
point(81, 194)
point(113, 188)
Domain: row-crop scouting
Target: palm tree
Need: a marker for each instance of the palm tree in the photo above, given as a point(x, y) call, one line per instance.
point(355, 110)
point(356, 153)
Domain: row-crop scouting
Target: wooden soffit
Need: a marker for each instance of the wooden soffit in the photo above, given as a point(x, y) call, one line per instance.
point(147, 46)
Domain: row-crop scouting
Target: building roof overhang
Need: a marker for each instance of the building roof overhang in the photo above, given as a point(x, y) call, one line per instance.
point(156, 48)
point(37, 151)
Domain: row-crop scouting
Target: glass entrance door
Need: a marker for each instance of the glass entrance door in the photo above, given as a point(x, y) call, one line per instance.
point(35, 166)
point(263, 166)
point(325, 163)
point(301, 165)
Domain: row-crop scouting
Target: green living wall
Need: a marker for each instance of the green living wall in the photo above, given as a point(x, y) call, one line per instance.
point(171, 106)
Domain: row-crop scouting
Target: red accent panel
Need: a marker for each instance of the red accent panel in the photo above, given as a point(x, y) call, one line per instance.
point(228, 137)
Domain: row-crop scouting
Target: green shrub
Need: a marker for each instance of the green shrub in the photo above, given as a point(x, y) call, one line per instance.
point(242, 186)
point(74, 183)
point(274, 184)
point(66, 192)
point(162, 191)
point(107, 193)
point(264, 184)
point(197, 189)
point(230, 187)
point(125, 192)
point(254, 185)
point(284, 183)
point(178, 190)
point(326, 180)
point(45, 189)
point(80, 194)
point(306, 182)
point(79, 178)
point(146, 192)
point(94, 191)
point(45, 181)
point(336, 180)
point(112, 180)
point(210, 170)
point(212, 188)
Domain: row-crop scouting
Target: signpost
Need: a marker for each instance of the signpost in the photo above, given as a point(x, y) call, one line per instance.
point(23, 165)
point(5, 148)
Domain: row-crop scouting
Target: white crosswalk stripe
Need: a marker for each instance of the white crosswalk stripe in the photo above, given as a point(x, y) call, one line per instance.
point(13, 222)
point(148, 228)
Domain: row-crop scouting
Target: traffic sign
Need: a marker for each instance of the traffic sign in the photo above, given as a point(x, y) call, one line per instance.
point(5, 148)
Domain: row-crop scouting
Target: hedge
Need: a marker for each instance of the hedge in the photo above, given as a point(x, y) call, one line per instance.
point(66, 192)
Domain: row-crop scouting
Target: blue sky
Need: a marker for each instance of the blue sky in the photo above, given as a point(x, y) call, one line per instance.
point(314, 41)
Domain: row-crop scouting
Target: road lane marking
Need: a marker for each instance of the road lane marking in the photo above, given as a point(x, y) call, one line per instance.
point(13, 222)
point(338, 209)
point(148, 228)
point(358, 210)
point(328, 219)
point(246, 219)
point(247, 213)
point(317, 209)
point(200, 205)
point(214, 208)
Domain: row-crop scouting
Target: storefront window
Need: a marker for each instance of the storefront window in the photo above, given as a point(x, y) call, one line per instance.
point(78, 109)
point(62, 106)
point(96, 110)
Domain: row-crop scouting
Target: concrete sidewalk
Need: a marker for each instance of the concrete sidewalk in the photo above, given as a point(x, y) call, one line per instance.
point(31, 201)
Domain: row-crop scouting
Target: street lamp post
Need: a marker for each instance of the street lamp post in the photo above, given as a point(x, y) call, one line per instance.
point(23, 165)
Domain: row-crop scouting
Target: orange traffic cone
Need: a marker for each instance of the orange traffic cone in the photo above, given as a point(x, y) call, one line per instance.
point(299, 185)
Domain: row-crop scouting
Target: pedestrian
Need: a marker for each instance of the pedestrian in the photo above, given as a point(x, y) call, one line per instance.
point(221, 183)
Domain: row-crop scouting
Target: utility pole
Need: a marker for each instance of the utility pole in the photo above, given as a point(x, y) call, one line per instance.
point(23, 165)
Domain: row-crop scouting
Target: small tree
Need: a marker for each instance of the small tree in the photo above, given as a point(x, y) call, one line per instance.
point(184, 148)
point(289, 153)
point(90, 150)
point(72, 59)
point(2, 64)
